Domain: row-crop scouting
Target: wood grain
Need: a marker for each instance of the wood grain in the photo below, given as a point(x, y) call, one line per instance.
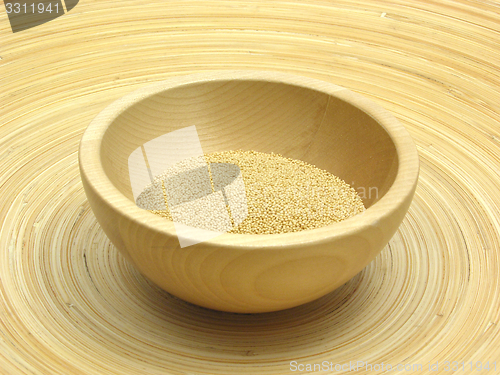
point(71, 304)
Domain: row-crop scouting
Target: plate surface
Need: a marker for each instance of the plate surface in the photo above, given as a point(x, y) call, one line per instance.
point(70, 304)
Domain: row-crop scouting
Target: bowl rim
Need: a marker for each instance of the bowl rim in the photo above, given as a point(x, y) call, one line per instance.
point(400, 191)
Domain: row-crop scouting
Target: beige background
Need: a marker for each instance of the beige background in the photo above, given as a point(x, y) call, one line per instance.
point(70, 304)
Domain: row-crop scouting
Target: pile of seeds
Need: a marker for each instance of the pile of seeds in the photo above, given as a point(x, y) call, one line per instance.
point(282, 195)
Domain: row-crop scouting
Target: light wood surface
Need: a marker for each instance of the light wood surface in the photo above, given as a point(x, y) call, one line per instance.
point(298, 117)
point(70, 303)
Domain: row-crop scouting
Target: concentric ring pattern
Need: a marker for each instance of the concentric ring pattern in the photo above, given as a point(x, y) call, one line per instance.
point(70, 304)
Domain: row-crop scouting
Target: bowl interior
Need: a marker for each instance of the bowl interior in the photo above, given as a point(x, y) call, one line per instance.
point(295, 121)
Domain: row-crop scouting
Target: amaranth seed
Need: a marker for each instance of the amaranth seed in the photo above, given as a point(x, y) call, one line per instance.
point(282, 195)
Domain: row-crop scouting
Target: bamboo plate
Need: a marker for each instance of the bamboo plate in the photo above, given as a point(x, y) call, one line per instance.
point(70, 304)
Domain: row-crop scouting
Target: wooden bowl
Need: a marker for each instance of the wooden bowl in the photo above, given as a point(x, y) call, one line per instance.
point(301, 118)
